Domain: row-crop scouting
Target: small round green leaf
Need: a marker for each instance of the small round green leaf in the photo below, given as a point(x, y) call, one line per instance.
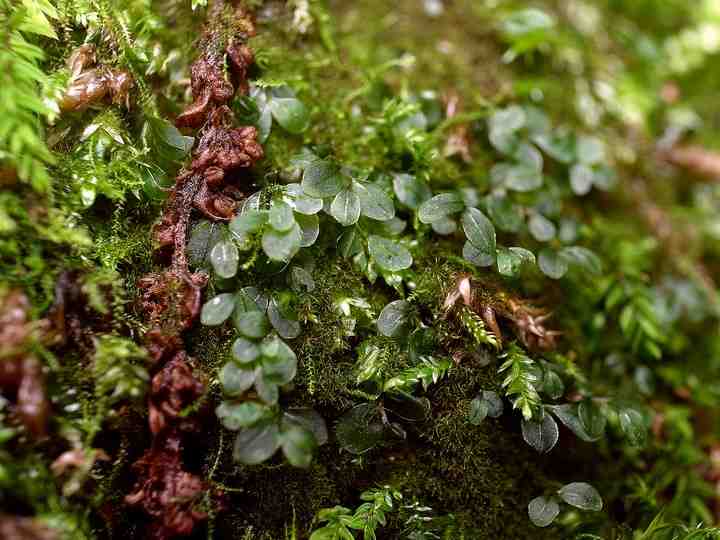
point(281, 216)
point(494, 401)
point(542, 435)
point(239, 415)
point(256, 444)
point(592, 418)
point(444, 226)
point(542, 511)
point(568, 415)
point(374, 202)
point(590, 150)
point(440, 206)
point(298, 445)
point(322, 179)
point(249, 221)
point(303, 204)
point(309, 229)
point(282, 246)
point(510, 260)
point(244, 351)
point(523, 178)
point(309, 419)
point(633, 426)
point(252, 324)
point(479, 230)
point(345, 207)
point(389, 254)
point(287, 328)
point(290, 113)
point(504, 214)
point(224, 258)
point(582, 496)
point(553, 385)
point(394, 318)
point(581, 179)
point(583, 258)
point(267, 391)
point(410, 191)
point(476, 256)
point(235, 380)
point(541, 228)
point(217, 309)
point(552, 264)
point(478, 411)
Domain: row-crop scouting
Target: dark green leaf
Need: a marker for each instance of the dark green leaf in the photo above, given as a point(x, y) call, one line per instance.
point(477, 257)
point(479, 230)
point(287, 328)
point(169, 146)
point(478, 411)
point(633, 426)
point(394, 318)
point(202, 239)
point(568, 415)
point(310, 420)
point(592, 418)
point(542, 435)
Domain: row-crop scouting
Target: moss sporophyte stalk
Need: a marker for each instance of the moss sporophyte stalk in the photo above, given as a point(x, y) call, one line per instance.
point(311, 269)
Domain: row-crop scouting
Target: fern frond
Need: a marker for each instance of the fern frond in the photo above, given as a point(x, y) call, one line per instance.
point(519, 382)
point(430, 371)
point(22, 146)
point(475, 326)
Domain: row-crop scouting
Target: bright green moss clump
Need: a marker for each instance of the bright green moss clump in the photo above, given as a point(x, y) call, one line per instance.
point(468, 293)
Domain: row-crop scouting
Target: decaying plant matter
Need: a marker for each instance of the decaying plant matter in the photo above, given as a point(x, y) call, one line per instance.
point(171, 300)
point(21, 372)
point(89, 85)
point(527, 321)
